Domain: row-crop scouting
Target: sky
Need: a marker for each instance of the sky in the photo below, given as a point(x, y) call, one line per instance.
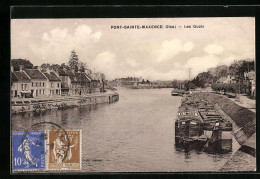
point(154, 54)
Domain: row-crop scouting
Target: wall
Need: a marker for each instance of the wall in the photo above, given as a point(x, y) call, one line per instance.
point(39, 105)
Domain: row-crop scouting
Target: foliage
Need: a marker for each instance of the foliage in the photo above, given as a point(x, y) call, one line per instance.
point(17, 62)
point(228, 87)
point(189, 85)
point(46, 66)
point(73, 60)
point(177, 83)
point(82, 66)
point(237, 68)
point(202, 79)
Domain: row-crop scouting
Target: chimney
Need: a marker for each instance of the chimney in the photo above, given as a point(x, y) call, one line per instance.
point(21, 67)
point(12, 68)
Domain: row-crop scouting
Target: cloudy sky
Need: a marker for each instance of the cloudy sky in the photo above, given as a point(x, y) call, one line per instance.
point(156, 54)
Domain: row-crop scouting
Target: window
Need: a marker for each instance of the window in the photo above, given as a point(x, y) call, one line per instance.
point(22, 86)
point(58, 85)
point(36, 84)
point(42, 91)
point(43, 84)
point(25, 87)
point(52, 85)
point(32, 83)
point(40, 83)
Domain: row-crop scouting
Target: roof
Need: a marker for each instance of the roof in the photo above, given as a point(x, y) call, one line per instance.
point(21, 76)
point(14, 77)
point(62, 73)
point(35, 74)
point(52, 76)
point(82, 77)
point(78, 77)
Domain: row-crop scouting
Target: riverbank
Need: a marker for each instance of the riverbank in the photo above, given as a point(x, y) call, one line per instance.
point(22, 105)
point(245, 121)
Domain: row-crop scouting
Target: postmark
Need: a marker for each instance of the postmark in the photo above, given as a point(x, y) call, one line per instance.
point(28, 150)
point(64, 149)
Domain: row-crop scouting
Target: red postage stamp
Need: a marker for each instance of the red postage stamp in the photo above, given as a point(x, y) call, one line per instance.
point(64, 150)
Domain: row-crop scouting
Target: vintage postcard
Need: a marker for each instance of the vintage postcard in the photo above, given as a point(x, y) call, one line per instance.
point(133, 95)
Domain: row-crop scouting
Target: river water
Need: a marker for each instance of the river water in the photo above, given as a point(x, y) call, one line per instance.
point(134, 134)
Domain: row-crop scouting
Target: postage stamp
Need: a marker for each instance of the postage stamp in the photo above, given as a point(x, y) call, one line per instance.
point(64, 150)
point(28, 150)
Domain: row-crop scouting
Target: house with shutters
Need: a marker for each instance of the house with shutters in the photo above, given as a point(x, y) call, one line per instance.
point(38, 82)
point(20, 84)
point(53, 84)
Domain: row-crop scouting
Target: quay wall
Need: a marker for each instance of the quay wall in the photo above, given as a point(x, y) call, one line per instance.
point(244, 118)
point(27, 105)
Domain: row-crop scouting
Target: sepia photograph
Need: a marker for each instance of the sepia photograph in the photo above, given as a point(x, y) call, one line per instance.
point(91, 95)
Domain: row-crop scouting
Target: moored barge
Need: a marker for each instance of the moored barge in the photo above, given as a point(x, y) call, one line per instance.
point(199, 120)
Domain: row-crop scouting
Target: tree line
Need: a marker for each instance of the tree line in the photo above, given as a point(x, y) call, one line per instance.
point(73, 62)
point(236, 69)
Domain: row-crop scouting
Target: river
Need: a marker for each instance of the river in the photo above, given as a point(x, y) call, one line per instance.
point(134, 134)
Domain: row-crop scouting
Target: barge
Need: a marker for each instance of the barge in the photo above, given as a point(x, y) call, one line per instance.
point(200, 122)
point(188, 126)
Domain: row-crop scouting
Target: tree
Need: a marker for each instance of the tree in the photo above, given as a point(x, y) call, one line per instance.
point(44, 66)
point(73, 60)
point(55, 67)
point(189, 85)
point(17, 62)
point(202, 79)
point(82, 66)
point(222, 71)
point(175, 84)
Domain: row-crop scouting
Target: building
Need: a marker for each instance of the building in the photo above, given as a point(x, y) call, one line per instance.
point(227, 79)
point(79, 83)
point(38, 82)
point(250, 77)
point(97, 82)
point(65, 81)
point(20, 84)
point(53, 84)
